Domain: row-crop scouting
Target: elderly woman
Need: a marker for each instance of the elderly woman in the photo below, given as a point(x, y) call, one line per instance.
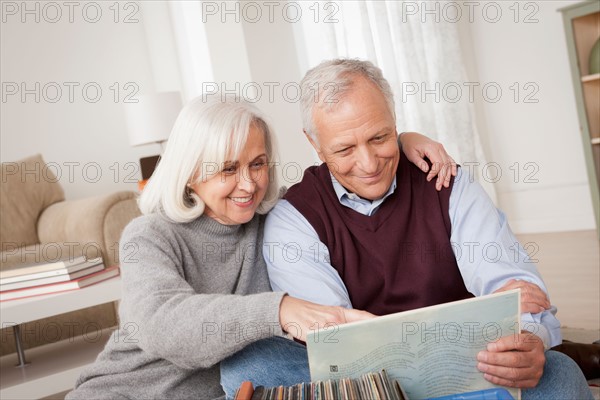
point(195, 285)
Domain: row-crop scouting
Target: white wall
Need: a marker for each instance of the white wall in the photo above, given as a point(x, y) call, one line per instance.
point(89, 136)
point(277, 63)
point(258, 60)
point(252, 54)
point(545, 133)
point(81, 138)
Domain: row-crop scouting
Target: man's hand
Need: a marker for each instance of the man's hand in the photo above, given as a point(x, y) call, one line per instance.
point(416, 147)
point(513, 361)
point(533, 299)
point(298, 317)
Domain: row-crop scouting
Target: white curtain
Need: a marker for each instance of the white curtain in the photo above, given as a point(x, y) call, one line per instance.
point(422, 61)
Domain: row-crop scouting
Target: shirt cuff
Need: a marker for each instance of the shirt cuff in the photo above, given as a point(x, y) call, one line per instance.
point(540, 331)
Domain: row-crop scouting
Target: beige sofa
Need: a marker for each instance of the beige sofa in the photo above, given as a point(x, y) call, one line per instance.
point(38, 225)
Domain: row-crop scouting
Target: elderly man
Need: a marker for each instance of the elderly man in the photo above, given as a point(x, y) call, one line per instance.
point(366, 230)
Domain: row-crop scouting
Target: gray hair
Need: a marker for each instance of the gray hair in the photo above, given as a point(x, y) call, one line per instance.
point(326, 84)
point(206, 134)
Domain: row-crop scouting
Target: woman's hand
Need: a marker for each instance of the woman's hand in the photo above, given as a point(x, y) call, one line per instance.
point(298, 317)
point(416, 147)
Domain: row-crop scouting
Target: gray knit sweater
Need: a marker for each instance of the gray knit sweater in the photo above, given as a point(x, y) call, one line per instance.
point(193, 294)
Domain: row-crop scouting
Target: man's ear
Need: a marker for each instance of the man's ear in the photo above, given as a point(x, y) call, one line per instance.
point(314, 145)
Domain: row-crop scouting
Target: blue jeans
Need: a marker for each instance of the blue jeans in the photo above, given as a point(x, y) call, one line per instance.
point(278, 361)
point(562, 379)
point(269, 362)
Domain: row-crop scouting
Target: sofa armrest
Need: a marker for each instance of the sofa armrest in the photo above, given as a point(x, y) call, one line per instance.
point(92, 223)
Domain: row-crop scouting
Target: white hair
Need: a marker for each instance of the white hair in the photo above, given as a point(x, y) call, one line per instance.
point(326, 84)
point(206, 134)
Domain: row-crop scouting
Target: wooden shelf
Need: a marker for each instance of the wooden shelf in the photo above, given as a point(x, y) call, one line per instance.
point(590, 78)
point(33, 308)
point(53, 368)
point(585, 30)
point(582, 30)
point(591, 97)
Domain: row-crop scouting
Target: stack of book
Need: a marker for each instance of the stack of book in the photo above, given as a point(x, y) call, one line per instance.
point(373, 386)
point(60, 276)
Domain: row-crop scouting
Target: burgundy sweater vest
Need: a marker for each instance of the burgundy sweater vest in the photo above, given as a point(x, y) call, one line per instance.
point(398, 259)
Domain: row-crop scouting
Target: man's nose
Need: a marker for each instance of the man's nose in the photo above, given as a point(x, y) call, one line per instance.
point(367, 160)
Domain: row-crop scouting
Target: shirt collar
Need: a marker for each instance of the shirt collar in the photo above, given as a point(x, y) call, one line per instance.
point(343, 194)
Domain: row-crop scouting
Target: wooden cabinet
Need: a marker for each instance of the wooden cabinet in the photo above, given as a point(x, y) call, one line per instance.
point(582, 28)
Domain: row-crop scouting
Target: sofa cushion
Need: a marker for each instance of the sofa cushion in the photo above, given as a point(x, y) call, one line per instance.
point(104, 217)
point(28, 187)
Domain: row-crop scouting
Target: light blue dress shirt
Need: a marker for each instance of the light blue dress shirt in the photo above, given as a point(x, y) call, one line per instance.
point(487, 252)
